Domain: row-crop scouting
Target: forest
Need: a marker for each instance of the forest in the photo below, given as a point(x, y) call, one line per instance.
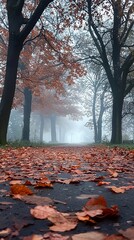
point(66, 60)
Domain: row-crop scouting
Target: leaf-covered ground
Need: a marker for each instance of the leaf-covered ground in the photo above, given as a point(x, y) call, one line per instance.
point(66, 193)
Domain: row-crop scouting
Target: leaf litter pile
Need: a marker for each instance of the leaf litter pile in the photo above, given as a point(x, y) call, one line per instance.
point(67, 193)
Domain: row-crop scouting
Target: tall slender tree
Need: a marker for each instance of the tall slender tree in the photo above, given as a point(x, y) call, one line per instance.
point(98, 98)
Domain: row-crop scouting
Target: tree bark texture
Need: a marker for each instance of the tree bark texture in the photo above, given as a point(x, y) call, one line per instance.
point(27, 113)
point(117, 119)
point(14, 49)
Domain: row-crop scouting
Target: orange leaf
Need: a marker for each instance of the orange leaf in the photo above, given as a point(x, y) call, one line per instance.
point(117, 189)
point(63, 227)
point(42, 212)
point(103, 183)
point(33, 237)
point(97, 207)
point(20, 189)
point(27, 182)
point(96, 203)
point(110, 212)
point(113, 174)
point(85, 218)
point(89, 235)
point(61, 221)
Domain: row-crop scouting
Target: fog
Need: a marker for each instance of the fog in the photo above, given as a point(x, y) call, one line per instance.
point(71, 131)
point(67, 130)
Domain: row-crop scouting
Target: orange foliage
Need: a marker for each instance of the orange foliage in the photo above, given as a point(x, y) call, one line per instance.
point(20, 189)
point(47, 70)
point(46, 62)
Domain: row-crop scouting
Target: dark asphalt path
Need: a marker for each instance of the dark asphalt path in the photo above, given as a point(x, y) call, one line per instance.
point(19, 212)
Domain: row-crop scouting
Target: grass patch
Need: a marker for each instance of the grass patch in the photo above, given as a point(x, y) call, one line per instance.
point(19, 144)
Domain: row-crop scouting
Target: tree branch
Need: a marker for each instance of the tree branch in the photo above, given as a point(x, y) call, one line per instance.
point(33, 19)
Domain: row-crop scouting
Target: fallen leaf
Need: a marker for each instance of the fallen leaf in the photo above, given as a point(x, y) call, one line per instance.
point(20, 189)
point(62, 227)
point(43, 185)
point(113, 174)
point(127, 187)
point(5, 232)
point(33, 237)
point(34, 199)
point(86, 218)
point(89, 236)
point(62, 223)
point(111, 212)
point(103, 183)
point(96, 203)
point(128, 233)
point(28, 183)
point(55, 236)
point(117, 189)
point(13, 182)
point(91, 213)
point(42, 212)
point(97, 207)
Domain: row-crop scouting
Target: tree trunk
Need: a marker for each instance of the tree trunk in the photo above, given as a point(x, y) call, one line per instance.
point(41, 127)
point(117, 119)
point(99, 137)
point(94, 118)
point(53, 128)
point(102, 109)
point(27, 113)
point(14, 48)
